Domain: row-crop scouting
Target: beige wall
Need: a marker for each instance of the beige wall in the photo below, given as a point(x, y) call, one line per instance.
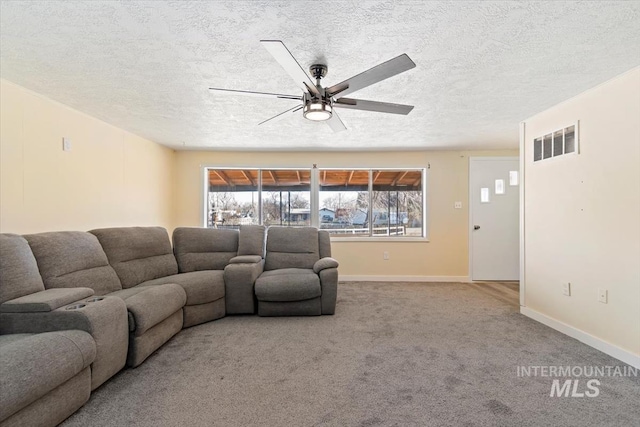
point(109, 178)
point(446, 254)
point(114, 178)
point(582, 215)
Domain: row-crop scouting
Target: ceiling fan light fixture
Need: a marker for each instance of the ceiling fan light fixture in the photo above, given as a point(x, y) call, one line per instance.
point(317, 111)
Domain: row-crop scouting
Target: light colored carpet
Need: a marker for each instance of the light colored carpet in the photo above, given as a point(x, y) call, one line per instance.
point(394, 354)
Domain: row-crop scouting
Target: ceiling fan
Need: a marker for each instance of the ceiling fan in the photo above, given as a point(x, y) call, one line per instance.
point(318, 102)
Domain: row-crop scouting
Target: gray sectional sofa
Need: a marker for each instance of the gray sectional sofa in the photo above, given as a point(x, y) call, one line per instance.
point(82, 305)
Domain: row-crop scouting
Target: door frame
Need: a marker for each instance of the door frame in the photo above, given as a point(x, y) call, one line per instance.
point(469, 201)
point(521, 153)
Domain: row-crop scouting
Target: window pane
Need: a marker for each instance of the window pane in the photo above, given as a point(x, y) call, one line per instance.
point(570, 139)
point(546, 152)
point(232, 198)
point(397, 203)
point(286, 197)
point(537, 149)
point(344, 202)
point(557, 143)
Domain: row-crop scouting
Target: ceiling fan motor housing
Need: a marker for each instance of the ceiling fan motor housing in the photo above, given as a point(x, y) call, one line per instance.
point(318, 71)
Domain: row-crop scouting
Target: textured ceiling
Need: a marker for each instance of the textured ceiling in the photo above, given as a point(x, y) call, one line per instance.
point(481, 66)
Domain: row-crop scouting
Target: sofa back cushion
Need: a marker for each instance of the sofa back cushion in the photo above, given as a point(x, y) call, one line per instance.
point(289, 247)
point(252, 240)
point(73, 259)
point(19, 275)
point(198, 249)
point(138, 254)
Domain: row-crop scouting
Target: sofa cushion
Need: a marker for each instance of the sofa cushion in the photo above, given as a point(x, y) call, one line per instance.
point(245, 259)
point(251, 240)
point(289, 284)
point(19, 273)
point(123, 295)
point(289, 247)
point(199, 249)
point(200, 286)
point(48, 360)
point(73, 259)
point(150, 305)
point(138, 254)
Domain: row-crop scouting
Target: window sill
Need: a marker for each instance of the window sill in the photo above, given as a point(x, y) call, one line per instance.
point(380, 239)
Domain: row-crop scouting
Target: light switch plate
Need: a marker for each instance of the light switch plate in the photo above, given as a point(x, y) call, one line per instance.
point(457, 205)
point(603, 295)
point(566, 289)
point(66, 144)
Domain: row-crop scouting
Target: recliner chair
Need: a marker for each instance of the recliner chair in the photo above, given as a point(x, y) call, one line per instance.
point(300, 278)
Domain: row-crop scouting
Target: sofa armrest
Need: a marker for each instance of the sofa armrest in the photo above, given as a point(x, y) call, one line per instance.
point(324, 263)
point(329, 286)
point(44, 301)
point(104, 318)
point(245, 259)
point(239, 280)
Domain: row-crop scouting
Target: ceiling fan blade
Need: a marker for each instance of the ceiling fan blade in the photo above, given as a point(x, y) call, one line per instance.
point(381, 107)
point(373, 75)
point(290, 65)
point(283, 115)
point(335, 123)
point(255, 94)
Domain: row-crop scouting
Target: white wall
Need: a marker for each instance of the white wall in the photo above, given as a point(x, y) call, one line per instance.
point(582, 217)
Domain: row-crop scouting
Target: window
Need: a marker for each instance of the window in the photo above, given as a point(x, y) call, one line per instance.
point(232, 197)
point(375, 203)
point(560, 142)
point(396, 203)
point(286, 197)
point(345, 202)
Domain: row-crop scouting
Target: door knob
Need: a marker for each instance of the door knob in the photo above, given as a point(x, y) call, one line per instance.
point(476, 227)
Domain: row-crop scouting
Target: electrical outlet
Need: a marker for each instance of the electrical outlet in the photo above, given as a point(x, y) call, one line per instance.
point(457, 205)
point(566, 289)
point(602, 295)
point(385, 256)
point(66, 144)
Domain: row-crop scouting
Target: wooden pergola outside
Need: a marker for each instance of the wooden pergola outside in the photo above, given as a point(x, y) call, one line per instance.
point(292, 180)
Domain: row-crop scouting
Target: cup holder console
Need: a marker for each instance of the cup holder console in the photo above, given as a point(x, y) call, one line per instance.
point(83, 304)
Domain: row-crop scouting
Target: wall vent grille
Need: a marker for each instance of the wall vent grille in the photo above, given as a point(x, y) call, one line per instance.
point(557, 143)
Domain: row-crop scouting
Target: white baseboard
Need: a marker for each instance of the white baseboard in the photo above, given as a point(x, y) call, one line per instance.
point(597, 343)
point(356, 278)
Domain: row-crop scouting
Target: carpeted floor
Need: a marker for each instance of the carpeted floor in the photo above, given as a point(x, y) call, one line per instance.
point(394, 354)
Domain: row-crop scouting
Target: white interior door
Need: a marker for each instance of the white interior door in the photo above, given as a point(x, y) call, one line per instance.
point(494, 185)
